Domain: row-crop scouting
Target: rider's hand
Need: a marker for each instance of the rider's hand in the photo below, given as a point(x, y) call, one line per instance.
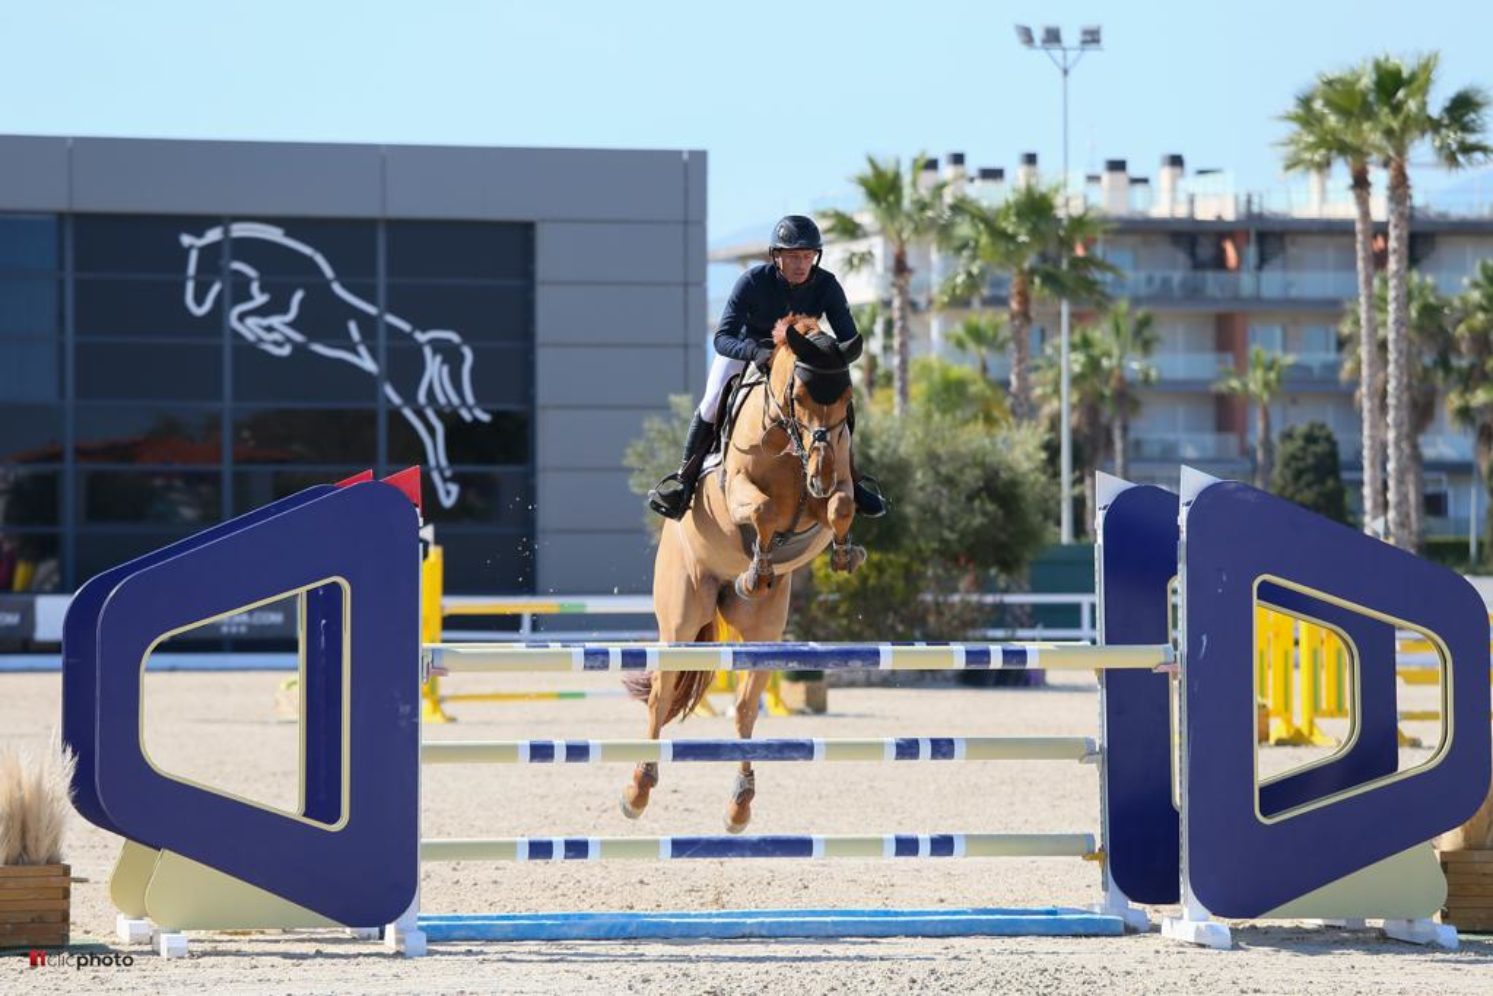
point(763, 358)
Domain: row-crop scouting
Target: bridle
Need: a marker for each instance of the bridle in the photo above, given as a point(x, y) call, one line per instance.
point(785, 417)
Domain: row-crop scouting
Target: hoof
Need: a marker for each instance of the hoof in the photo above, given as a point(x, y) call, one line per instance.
point(734, 826)
point(754, 588)
point(847, 558)
point(635, 797)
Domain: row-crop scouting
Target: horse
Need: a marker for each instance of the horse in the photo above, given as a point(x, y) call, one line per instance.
point(782, 494)
point(269, 318)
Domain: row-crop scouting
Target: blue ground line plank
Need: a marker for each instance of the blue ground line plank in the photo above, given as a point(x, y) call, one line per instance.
point(728, 924)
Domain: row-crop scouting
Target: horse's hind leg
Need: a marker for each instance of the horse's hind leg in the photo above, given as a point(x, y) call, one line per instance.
point(645, 776)
point(757, 620)
point(685, 610)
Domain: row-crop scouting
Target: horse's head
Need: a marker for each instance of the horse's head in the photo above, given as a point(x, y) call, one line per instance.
point(811, 381)
point(200, 292)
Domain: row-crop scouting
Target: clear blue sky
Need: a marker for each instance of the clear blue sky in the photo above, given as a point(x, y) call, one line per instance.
point(787, 97)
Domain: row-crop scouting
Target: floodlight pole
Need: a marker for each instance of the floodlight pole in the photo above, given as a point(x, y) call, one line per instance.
point(1065, 61)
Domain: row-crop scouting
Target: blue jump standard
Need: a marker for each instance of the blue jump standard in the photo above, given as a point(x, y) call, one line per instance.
point(736, 924)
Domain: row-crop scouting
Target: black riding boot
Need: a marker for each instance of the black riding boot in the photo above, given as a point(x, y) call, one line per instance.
point(671, 496)
point(870, 503)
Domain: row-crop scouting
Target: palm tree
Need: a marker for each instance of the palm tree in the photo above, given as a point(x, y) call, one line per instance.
point(1403, 119)
point(1126, 339)
point(1260, 384)
point(1044, 253)
point(1469, 397)
point(903, 211)
point(869, 319)
point(1430, 347)
point(980, 335)
point(1330, 124)
point(1088, 386)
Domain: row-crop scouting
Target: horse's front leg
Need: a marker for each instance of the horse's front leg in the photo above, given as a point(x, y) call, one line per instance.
point(840, 511)
point(748, 699)
point(750, 506)
point(645, 776)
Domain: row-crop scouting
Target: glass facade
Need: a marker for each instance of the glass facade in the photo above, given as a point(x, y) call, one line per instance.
point(162, 373)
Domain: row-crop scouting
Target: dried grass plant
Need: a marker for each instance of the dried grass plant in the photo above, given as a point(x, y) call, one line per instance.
point(35, 796)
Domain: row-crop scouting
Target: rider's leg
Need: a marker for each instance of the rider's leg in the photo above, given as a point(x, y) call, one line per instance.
point(869, 504)
point(671, 496)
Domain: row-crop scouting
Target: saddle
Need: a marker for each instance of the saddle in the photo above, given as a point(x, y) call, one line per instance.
point(786, 546)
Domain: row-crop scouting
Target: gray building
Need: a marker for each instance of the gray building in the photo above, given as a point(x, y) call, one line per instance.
point(191, 329)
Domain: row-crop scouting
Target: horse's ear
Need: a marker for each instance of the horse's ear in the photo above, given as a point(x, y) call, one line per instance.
point(798, 343)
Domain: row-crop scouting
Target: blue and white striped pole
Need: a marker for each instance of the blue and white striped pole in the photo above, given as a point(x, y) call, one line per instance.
point(806, 749)
point(938, 845)
point(507, 657)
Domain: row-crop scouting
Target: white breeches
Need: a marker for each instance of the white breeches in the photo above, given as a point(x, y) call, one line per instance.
point(722, 369)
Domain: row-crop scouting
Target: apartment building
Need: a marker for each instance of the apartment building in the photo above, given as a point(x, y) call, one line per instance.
point(1222, 271)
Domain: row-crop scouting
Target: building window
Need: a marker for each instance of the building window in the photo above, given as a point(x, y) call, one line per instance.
point(220, 363)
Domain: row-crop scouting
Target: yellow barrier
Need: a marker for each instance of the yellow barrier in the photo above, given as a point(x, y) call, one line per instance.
point(1304, 674)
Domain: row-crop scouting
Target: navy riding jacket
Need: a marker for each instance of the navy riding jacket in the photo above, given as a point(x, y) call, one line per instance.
point(761, 296)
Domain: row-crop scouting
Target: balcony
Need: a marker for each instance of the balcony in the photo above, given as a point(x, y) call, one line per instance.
point(1209, 285)
point(1321, 366)
point(1179, 446)
point(1446, 447)
point(1206, 367)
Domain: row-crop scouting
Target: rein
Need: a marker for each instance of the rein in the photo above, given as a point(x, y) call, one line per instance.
point(787, 420)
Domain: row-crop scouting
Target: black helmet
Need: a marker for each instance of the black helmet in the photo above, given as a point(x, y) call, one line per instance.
point(796, 232)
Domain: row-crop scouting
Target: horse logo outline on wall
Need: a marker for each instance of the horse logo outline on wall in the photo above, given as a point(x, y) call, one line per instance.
point(267, 320)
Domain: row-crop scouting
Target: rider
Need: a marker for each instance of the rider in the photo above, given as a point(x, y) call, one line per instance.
point(792, 283)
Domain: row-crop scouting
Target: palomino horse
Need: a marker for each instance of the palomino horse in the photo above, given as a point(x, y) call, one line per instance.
point(781, 496)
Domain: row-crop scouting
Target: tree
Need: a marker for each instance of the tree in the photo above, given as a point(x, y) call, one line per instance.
point(1044, 253)
point(1402, 120)
point(1330, 124)
point(869, 319)
point(1088, 385)
point(1260, 384)
point(1307, 471)
point(958, 392)
point(1430, 348)
point(1126, 339)
point(1470, 377)
point(971, 500)
point(902, 210)
point(979, 336)
point(656, 452)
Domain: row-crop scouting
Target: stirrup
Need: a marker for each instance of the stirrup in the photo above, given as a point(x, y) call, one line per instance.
point(671, 497)
point(870, 503)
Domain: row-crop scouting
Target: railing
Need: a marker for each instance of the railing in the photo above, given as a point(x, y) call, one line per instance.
point(1453, 446)
point(1172, 285)
point(1314, 366)
point(1192, 366)
point(1185, 446)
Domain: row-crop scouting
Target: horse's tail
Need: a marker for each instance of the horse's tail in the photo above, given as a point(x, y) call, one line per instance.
point(690, 687)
